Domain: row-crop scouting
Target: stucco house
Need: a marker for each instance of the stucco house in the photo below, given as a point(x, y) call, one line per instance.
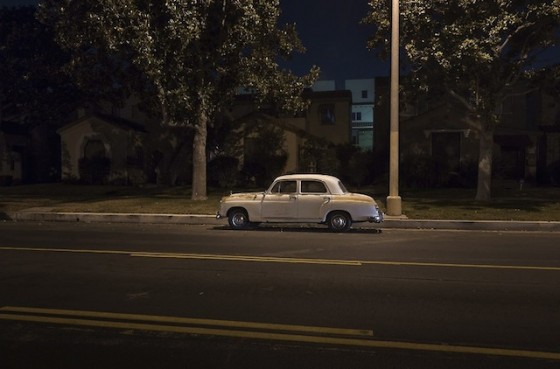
point(108, 145)
point(328, 119)
point(526, 142)
point(99, 148)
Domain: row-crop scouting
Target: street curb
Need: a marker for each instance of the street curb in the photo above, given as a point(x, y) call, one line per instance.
point(194, 219)
point(197, 219)
point(474, 225)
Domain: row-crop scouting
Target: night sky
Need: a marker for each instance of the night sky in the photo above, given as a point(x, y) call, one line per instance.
point(331, 33)
point(17, 2)
point(334, 38)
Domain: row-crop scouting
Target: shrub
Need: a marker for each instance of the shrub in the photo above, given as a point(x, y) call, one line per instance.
point(418, 171)
point(223, 171)
point(263, 171)
point(317, 155)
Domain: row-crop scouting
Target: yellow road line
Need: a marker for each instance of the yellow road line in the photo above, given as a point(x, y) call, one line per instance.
point(453, 265)
point(195, 321)
point(357, 342)
point(170, 255)
point(267, 259)
point(261, 259)
point(77, 251)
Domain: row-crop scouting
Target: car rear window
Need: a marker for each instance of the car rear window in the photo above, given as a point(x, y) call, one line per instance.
point(313, 187)
point(344, 190)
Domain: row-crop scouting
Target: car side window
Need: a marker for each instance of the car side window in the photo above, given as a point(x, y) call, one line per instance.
point(284, 187)
point(313, 187)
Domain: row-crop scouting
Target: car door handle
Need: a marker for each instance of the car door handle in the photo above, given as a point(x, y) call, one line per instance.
point(327, 200)
point(293, 197)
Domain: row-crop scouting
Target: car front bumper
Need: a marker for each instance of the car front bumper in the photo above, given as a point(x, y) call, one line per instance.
point(377, 218)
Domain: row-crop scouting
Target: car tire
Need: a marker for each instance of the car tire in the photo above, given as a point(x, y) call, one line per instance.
point(339, 221)
point(238, 219)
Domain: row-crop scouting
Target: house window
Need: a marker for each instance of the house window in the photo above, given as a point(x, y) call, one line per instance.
point(326, 113)
point(356, 116)
point(364, 94)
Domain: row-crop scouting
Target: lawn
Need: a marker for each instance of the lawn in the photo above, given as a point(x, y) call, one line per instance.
point(536, 204)
point(530, 203)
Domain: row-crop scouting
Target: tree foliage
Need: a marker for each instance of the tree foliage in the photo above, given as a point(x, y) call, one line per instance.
point(473, 51)
point(194, 54)
point(34, 91)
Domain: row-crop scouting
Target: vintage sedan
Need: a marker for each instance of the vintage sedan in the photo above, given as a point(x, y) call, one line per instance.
point(306, 198)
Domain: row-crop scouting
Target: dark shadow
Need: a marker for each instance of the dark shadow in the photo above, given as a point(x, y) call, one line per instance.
point(296, 229)
point(4, 216)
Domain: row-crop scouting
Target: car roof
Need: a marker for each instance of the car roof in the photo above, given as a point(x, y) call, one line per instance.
point(330, 181)
point(323, 177)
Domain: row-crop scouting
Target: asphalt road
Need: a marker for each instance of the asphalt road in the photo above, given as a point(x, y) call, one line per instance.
point(174, 296)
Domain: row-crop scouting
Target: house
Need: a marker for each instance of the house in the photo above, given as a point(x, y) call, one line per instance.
point(363, 99)
point(327, 119)
point(112, 144)
point(441, 137)
point(362, 108)
point(104, 144)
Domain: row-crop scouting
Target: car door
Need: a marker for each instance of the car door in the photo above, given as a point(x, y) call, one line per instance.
point(281, 202)
point(312, 200)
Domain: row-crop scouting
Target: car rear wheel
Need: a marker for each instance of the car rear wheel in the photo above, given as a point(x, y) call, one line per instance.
point(339, 221)
point(238, 219)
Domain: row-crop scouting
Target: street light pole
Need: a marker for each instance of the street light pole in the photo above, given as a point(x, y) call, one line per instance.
point(394, 205)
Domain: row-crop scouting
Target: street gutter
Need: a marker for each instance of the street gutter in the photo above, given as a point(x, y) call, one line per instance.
point(197, 219)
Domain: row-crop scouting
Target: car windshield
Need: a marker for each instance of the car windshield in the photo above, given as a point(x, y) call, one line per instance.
point(344, 190)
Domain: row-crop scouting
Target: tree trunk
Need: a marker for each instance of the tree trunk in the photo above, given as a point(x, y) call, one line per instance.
point(483, 192)
point(199, 159)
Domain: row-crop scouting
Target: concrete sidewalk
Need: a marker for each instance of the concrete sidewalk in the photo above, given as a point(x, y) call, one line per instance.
point(43, 215)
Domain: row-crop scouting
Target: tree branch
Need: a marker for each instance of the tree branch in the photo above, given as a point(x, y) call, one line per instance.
point(466, 104)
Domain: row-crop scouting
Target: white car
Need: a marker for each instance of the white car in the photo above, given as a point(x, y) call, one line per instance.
point(306, 198)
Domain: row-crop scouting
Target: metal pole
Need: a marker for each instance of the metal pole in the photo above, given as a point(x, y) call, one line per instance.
point(394, 205)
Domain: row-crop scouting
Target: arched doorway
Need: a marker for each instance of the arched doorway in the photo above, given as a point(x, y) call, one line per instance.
point(94, 166)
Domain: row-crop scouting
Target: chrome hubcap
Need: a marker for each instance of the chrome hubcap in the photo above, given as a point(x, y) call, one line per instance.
point(238, 219)
point(339, 222)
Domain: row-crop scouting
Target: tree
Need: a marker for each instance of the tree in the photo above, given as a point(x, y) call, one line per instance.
point(473, 51)
point(194, 54)
point(34, 91)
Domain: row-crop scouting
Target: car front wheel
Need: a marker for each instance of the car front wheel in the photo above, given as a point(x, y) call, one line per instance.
point(238, 219)
point(339, 221)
